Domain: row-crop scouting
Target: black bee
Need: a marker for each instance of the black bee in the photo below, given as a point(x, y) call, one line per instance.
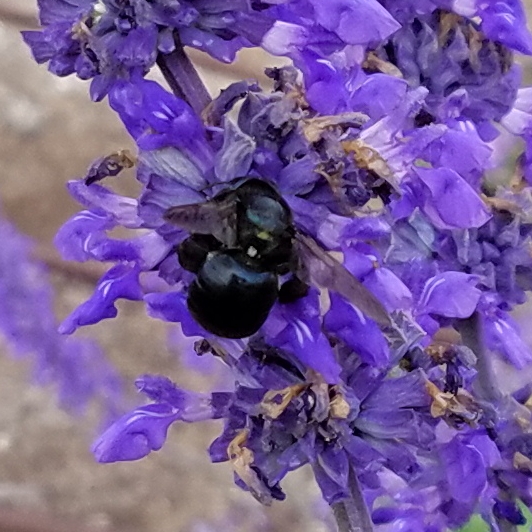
point(241, 242)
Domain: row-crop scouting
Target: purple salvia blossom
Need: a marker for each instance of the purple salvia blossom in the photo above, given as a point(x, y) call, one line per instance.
point(465, 80)
point(503, 22)
point(277, 138)
point(76, 367)
point(380, 144)
point(177, 168)
point(299, 422)
point(108, 40)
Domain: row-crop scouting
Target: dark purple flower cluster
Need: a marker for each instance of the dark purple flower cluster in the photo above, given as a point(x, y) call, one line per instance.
point(376, 147)
point(107, 40)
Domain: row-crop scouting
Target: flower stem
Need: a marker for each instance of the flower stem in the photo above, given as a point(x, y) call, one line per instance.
point(183, 78)
point(352, 514)
point(472, 333)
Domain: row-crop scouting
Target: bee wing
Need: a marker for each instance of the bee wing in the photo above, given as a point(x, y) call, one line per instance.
point(216, 217)
point(326, 271)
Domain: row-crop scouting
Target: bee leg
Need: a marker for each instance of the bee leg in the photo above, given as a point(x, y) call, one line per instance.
point(292, 290)
point(193, 251)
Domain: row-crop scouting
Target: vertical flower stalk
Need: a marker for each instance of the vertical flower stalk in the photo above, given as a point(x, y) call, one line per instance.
point(352, 513)
point(350, 213)
point(77, 368)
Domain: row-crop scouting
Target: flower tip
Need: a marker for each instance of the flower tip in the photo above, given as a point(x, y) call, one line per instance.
point(133, 436)
point(107, 450)
point(66, 328)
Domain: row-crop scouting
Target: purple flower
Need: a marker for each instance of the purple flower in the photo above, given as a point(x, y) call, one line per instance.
point(111, 40)
point(503, 22)
point(312, 25)
point(269, 432)
point(447, 199)
point(494, 258)
point(144, 430)
point(179, 164)
point(77, 367)
point(468, 75)
point(399, 261)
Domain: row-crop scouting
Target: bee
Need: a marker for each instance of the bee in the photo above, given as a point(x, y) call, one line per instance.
point(241, 243)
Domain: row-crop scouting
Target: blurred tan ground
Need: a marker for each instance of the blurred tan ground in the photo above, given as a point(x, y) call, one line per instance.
point(49, 133)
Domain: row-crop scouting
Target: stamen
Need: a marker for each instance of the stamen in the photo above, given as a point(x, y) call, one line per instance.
point(272, 407)
point(522, 462)
point(339, 407)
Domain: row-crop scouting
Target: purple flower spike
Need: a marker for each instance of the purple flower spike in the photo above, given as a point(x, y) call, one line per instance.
point(109, 41)
point(77, 367)
point(372, 181)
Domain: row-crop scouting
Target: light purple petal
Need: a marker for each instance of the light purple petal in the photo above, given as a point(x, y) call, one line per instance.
point(452, 202)
point(450, 294)
point(388, 289)
point(154, 117)
point(379, 95)
point(358, 332)
point(296, 327)
point(80, 235)
point(355, 21)
point(463, 151)
point(502, 335)
point(189, 406)
point(519, 120)
point(285, 38)
point(121, 209)
point(236, 155)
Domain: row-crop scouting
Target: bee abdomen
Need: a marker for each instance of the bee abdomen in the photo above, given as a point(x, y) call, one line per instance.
point(231, 297)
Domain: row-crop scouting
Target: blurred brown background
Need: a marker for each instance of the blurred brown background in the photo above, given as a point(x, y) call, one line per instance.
point(49, 133)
